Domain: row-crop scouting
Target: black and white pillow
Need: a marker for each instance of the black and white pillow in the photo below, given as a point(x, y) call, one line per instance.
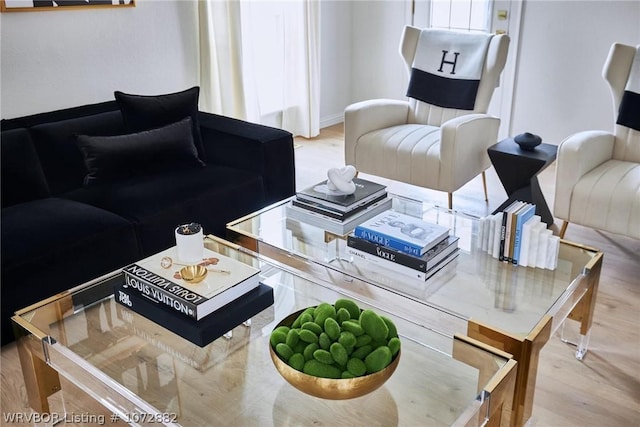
point(447, 68)
point(629, 110)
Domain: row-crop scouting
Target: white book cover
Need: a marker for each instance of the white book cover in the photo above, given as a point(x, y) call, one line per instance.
point(226, 280)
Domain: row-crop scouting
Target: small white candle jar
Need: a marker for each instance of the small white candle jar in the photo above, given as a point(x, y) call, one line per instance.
point(190, 243)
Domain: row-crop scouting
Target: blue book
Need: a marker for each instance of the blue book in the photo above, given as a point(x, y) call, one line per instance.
point(522, 216)
point(402, 232)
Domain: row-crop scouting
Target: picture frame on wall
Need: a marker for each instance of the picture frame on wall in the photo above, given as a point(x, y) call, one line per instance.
point(46, 5)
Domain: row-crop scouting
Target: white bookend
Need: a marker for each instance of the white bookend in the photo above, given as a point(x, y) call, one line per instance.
point(527, 228)
point(532, 257)
point(541, 256)
point(485, 235)
point(497, 231)
point(553, 249)
point(481, 227)
point(490, 227)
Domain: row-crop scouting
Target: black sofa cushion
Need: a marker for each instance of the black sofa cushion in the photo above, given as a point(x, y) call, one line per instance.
point(22, 176)
point(144, 112)
point(112, 158)
point(156, 204)
point(51, 245)
point(61, 159)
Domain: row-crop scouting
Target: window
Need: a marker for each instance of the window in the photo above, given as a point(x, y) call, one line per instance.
point(464, 15)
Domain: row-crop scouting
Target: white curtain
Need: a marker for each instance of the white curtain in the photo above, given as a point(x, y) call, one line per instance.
point(221, 77)
point(301, 70)
point(260, 61)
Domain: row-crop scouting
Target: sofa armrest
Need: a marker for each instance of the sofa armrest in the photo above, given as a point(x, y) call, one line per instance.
point(463, 148)
point(264, 150)
point(577, 155)
point(366, 116)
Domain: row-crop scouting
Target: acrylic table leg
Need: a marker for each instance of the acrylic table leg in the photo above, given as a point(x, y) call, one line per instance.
point(500, 387)
point(583, 311)
point(526, 352)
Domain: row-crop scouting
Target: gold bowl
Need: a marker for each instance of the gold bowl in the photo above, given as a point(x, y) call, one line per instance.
point(327, 388)
point(193, 273)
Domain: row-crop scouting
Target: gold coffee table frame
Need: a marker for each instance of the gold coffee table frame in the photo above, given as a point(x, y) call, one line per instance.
point(47, 349)
point(316, 253)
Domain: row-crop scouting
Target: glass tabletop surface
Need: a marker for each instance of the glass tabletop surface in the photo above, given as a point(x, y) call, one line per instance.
point(130, 363)
point(473, 286)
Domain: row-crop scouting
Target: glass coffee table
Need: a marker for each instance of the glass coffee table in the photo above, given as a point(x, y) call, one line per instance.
point(512, 308)
point(145, 374)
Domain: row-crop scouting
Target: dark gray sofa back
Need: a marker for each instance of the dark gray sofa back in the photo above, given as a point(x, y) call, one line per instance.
point(22, 176)
point(61, 159)
point(52, 136)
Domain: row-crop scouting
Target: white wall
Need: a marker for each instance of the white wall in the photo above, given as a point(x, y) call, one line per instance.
point(58, 59)
point(563, 45)
point(335, 60)
point(377, 71)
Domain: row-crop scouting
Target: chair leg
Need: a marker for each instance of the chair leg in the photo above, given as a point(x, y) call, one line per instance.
point(563, 229)
point(484, 185)
point(450, 195)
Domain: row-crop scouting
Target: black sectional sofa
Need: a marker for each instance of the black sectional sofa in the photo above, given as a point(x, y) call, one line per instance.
point(87, 190)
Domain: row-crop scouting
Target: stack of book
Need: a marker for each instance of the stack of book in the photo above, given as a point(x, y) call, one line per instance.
point(335, 212)
point(230, 294)
point(518, 236)
point(403, 244)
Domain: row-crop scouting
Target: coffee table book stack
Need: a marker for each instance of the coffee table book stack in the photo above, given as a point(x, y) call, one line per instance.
point(403, 244)
point(518, 236)
point(339, 213)
point(230, 294)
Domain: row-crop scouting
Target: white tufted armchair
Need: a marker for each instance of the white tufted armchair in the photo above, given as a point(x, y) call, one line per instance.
point(597, 172)
point(422, 144)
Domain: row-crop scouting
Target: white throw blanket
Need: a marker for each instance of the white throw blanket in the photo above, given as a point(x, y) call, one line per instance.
point(629, 111)
point(447, 68)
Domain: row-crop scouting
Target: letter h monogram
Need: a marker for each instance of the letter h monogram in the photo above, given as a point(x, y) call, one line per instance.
point(455, 60)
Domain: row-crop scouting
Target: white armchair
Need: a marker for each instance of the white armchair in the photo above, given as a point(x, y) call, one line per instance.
point(424, 144)
point(598, 172)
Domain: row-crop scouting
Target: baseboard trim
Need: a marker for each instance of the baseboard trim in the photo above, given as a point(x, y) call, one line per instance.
point(331, 120)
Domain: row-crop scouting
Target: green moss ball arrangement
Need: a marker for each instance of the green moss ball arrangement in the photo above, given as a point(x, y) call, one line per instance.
point(337, 341)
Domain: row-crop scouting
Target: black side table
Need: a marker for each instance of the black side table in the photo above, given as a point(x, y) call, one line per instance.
point(518, 170)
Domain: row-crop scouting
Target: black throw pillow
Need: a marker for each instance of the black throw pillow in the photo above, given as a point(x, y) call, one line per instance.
point(144, 112)
point(112, 158)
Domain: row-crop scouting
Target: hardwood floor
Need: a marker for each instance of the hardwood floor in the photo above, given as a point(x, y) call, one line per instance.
point(601, 390)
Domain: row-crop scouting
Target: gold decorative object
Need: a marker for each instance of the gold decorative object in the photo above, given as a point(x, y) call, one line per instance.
point(193, 273)
point(167, 262)
point(326, 388)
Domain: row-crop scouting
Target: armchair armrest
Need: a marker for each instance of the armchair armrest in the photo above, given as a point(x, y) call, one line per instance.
point(253, 147)
point(577, 155)
point(366, 116)
point(463, 148)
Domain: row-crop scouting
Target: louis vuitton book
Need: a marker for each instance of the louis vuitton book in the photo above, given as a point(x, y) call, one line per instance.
point(226, 280)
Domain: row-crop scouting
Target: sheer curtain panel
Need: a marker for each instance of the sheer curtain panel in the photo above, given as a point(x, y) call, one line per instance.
point(260, 60)
point(221, 77)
